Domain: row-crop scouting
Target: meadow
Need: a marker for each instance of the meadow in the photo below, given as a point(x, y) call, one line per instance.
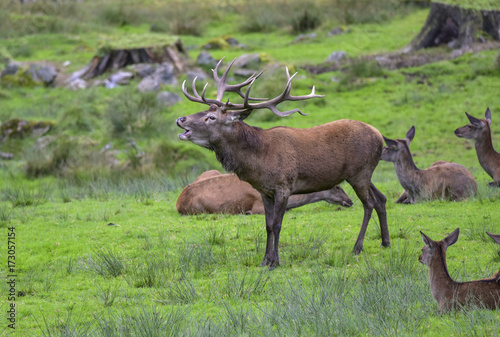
point(100, 250)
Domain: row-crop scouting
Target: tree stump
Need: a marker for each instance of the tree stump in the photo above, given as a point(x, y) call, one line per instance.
point(112, 57)
point(457, 26)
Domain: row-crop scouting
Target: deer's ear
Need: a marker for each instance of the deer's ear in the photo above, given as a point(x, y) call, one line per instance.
point(240, 114)
point(410, 134)
point(390, 142)
point(487, 115)
point(427, 240)
point(495, 237)
point(452, 238)
point(473, 120)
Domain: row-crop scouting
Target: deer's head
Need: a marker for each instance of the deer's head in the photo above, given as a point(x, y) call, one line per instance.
point(476, 127)
point(396, 147)
point(434, 247)
point(205, 128)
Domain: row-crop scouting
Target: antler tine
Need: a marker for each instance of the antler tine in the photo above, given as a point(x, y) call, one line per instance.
point(190, 97)
point(223, 86)
point(272, 103)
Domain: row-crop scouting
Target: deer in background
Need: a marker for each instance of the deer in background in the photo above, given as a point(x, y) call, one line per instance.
point(214, 192)
point(441, 180)
point(282, 161)
point(449, 293)
point(496, 237)
point(479, 130)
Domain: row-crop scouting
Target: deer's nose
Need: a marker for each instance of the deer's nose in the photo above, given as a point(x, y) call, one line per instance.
point(181, 120)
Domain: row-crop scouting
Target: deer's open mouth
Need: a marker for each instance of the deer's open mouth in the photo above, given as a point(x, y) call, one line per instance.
point(185, 135)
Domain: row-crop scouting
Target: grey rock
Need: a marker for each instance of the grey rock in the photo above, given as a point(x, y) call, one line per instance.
point(163, 75)
point(336, 56)
point(247, 61)
point(144, 69)
point(198, 73)
point(121, 77)
point(11, 69)
point(304, 37)
point(168, 98)
point(205, 59)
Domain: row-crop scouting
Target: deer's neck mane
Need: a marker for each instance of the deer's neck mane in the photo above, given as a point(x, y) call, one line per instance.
point(234, 151)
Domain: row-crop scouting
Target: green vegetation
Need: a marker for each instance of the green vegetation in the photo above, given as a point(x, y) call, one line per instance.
point(100, 248)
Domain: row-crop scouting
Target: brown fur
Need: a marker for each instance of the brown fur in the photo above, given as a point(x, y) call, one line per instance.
point(479, 131)
point(441, 180)
point(213, 192)
point(448, 293)
point(282, 161)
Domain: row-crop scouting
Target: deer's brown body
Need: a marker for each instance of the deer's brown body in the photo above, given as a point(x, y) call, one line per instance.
point(442, 180)
point(282, 161)
point(213, 192)
point(449, 293)
point(479, 130)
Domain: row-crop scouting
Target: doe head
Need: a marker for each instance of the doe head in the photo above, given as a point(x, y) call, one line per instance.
point(476, 127)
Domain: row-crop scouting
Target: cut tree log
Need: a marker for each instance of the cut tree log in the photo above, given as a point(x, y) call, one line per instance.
point(458, 23)
point(138, 49)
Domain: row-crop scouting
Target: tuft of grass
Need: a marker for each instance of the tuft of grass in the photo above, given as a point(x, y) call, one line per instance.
point(106, 263)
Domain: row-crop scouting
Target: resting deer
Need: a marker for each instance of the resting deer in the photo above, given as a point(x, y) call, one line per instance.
point(447, 292)
point(214, 192)
point(479, 130)
point(441, 180)
point(496, 237)
point(282, 161)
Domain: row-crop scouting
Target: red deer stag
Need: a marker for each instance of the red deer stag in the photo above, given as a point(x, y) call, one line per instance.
point(479, 130)
point(282, 161)
point(214, 192)
point(441, 180)
point(447, 292)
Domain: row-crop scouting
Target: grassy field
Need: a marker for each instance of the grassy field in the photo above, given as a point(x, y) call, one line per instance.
point(101, 251)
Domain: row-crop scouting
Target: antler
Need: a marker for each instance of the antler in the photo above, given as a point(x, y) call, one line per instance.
point(223, 87)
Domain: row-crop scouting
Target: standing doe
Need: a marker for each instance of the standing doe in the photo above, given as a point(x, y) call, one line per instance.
point(282, 161)
point(479, 130)
point(448, 293)
point(214, 192)
point(441, 180)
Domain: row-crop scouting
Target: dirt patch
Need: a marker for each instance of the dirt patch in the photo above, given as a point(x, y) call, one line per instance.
point(398, 60)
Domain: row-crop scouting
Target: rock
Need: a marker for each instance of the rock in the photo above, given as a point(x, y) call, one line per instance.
point(168, 98)
point(336, 56)
point(205, 59)
point(46, 74)
point(305, 37)
point(11, 69)
point(6, 155)
point(77, 84)
point(198, 73)
point(143, 69)
point(163, 75)
point(247, 61)
point(338, 31)
point(121, 77)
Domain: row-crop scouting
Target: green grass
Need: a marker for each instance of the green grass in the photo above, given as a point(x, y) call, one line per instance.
point(102, 251)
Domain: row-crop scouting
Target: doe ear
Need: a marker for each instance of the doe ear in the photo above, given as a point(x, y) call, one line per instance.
point(473, 120)
point(427, 240)
point(390, 142)
point(410, 134)
point(495, 237)
point(487, 115)
point(452, 238)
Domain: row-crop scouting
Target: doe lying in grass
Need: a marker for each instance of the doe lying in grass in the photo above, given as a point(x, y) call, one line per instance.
point(441, 180)
point(479, 130)
point(448, 293)
point(214, 192)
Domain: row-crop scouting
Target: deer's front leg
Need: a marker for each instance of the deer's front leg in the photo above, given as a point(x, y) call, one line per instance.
point(275, 210)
